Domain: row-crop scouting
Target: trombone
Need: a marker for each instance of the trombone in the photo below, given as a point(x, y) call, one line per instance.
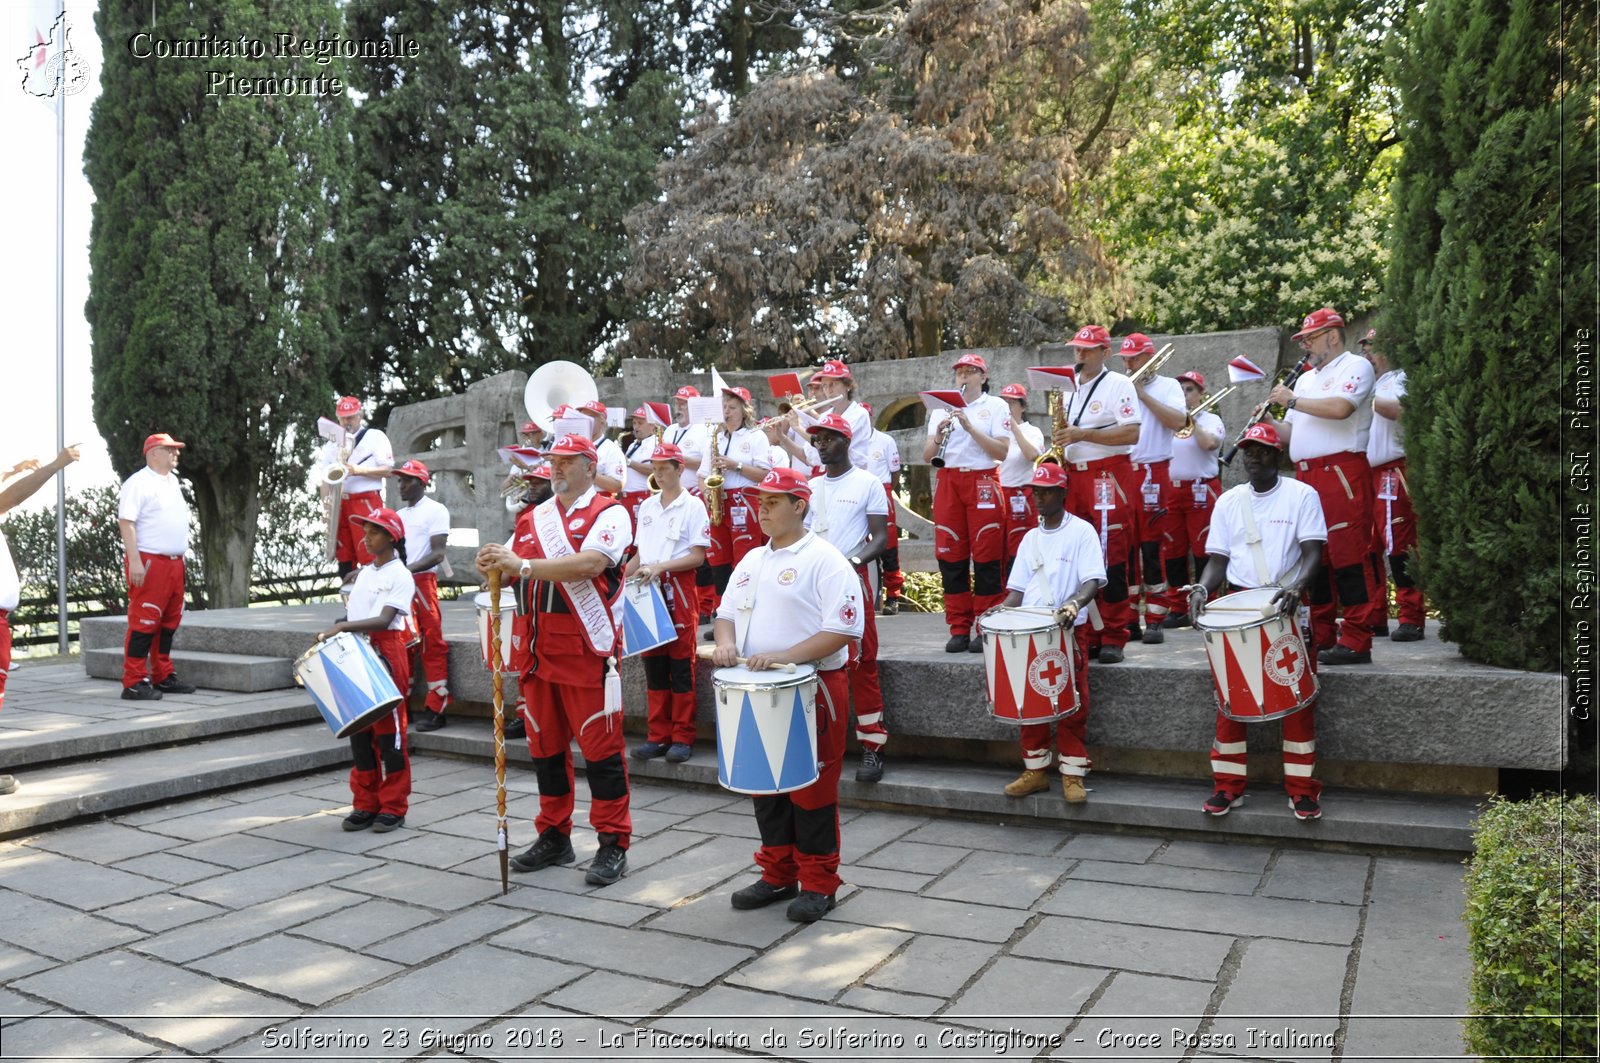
point(1188, 424)
point(1145, 372)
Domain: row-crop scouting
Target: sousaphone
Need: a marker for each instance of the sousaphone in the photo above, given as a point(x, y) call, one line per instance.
point(557, 384)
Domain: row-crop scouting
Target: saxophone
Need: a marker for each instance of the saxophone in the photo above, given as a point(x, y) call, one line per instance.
point(1058, 420)
point(711, 486)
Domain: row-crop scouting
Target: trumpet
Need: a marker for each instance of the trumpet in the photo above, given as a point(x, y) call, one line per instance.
point(811, 406)
point(1287, 378)
point(1056, 455)
point(1148, 370)
point(1188, 425)
point(711, 486)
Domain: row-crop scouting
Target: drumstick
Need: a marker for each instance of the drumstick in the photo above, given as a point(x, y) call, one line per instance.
point(502, 831)
point(705, 652)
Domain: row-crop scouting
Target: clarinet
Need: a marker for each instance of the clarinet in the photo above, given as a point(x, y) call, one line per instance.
point(1287, 379)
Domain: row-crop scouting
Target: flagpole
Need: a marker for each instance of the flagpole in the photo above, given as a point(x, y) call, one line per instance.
point(61, 345)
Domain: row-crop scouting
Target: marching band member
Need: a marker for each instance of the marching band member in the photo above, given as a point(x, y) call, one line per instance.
point(848, 508)
point(883, 461)
point(610, 462)
point(427, 524)
point(836, 389)
point(380, 598)
point(571, 585)
point(153, 519)
point(742, 457)
point(1016, 472)
point(536, 490)
point(1327, 426)
point(795, 585)
point(1058, 567)
point(969, 524)
point(1268, 532)
point(673, 534)
point(1154, 552)
point(371, 458)
point(636, 478)
point(1102, 426)
point(1394, 523)
point(529, 435)
point(1195, 487)
point(691, 439)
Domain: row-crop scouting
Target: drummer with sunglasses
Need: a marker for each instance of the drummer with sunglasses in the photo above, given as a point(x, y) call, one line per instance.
point(795, 599)
point(1266, 533)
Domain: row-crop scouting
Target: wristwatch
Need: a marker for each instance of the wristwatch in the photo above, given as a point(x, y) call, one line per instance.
point(524, 568)
point(1290, 404)
point(855, 562)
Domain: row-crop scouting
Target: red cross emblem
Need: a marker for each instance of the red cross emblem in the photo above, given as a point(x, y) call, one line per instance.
point(1285, 662)
point(1288, 659)
point(848, 613)
point(1350, 386)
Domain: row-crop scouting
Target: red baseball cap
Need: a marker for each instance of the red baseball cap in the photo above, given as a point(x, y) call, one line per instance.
point(1091, 336)
point(160, 439)
point(1014, 391)
point(688, 391)
point(574, 447)
point(562, 411)
point(742, 394)
point(385, 518)
point(785, 481)
point(1049, 474)
point(416, 469)
point(346, 406)
point(832, 423)
point(832, 369)
point(1264, 434)
point(529, 428)
point(1371, 335)
point(540, 470)
point(1318, 320)
point(594, 408)
point(1193, 376)
point(667, 452)
point(974, 360)
point(1136, 343)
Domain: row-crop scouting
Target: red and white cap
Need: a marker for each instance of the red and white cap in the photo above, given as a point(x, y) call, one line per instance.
point(1372, 334)
point(1091, 336)
point(346, 406)
point(416, 470)
point(385, 518)
point(1264, 434)
point(1193, 376)
point(832, 423)
point(973, 359)
point(160, 439)
point(742, 394)
point(832, 369)
point(785, 481)
point(529, 429)
point(1136, 343)
point(688, 391)
point(574, 447)
point(563, 411)
point(1014, 391)
point(1318, 320)
point(667, 452)
point(539, 470)
point(594, 408)
point(1049, 474)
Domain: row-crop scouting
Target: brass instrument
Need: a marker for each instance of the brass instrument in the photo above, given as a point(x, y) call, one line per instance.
point(802, 405)
point(1057, 454)
point(944, 441)
point(1287, 378)
point(1188, 425)
point(650, 481)
point(1149, 369)
point(711, 486)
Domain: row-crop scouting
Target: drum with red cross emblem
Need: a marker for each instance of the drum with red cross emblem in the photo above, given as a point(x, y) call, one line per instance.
point(1259, 664)
point(1029, 665)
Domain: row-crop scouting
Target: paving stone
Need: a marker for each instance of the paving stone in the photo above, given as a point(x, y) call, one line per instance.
point(789, 1028)
point(15, 1006)
point(160, 912)
point(239, 817)
point(865, 834)
point(169, 868)
point(687, 872)
point(1134, 1019)
point(237, 850)
point(14, 963)
point(425, 809)
point(325, 832)
point(528, 894)
point(451, 932)
point(1337, 878)
point(695, 802)
point(423, 885)
point(1037, 998)
point(725, 824)
point(911, 856)
point(926, 915)
point(77, 883)
point(883, 878)
point(933, 965)
point(1216, 856)
point(1126, 848)
point(434, 850)
point(648, 821)
point(69, 1037)
point(102, 843)
point(1279, 986)
point(1005, 879)
point(1180, 953)
point(58, 931)
point(615, 996)
point(1219, 912)
point(212, 935)
point(156, 1000)
point(665, 957)
point(883, 1000)
point(253, 885)
point(821, 962)
point(994, 837)
point(307, 971)
point(713, 917)
point(359, 926)
point(1167, 876)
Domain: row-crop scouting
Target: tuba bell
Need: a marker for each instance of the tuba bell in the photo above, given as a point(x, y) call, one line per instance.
point(556, 384)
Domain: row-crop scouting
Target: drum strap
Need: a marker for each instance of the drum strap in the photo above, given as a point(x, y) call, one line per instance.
point(1252, 538)
point(744, 609)
point(819, 506)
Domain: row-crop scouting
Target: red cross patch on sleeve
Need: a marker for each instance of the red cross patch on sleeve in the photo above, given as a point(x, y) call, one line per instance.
point(848, 613)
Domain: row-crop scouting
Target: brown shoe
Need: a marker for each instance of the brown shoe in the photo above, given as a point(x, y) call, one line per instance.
point(1072, 789)
point(1031, 781)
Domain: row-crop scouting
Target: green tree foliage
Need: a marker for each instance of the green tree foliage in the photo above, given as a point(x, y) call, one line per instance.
point(213, 298)
point(1495, 211)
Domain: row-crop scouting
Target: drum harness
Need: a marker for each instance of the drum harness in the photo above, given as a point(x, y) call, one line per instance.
point(745, 610)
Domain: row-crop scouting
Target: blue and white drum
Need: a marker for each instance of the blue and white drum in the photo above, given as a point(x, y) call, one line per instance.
point(766, 730)
point(346, 678)
point(646, 620)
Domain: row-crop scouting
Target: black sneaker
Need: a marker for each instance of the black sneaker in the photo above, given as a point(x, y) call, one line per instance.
point(809, 907)
point(1135, 632)
point(1221, 802)
point(1344, 655)
point(1110, 655)
point(1177, 620)
point(553, 847)
point(1305, 808)
point(975, 645)
point(1381, 631)
point(648, 750)
point(871, 769)
point(679, 752)
point(891, 607)
point(173, 685)
point(515, 728)
point(1407, 633)
point(8, 784)
point(430, 720)
point(141, 691)
point(359, 820)
point(761, 894)
point(1153, 635)
point(388, 821)
point(608, 865)
point(958, 644)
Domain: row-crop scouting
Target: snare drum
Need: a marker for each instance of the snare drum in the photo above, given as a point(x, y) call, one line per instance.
point(508, 614)
point(646, 620)
point(766, 730)
point(1259, 665)
point(346, 678)
point(1028, 659)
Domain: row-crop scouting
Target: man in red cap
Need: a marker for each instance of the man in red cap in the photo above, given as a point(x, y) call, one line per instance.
point(154, 521)
point(1394, 523)
point(1195, 489)
point(1265, 533)
point(367, 458)
point(1102, 426)
point(834, 385)
point(1161, 414)
point(1059, 568)
point(1016, 472)
point(969, 524)
point(1327, 426)
point(427, 524)
point(610, 463)
point(570, 582)
point(794, 600)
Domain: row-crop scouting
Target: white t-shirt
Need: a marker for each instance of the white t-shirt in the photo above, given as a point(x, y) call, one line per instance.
point(609, 460)
point(840, 507)
point(883, 458)
point(669, 533)
point(1348, 377)
point(422, 522)
point(160, 516)
point(1386, 441)
point(634, 481)
point(1286, 516)
point(1190, 461)
point(792, 594)
point(10, 582)
point(1155, 438)
point(376, 587)
point(988, 415)
point(1015, 470)
point(1106, 401)
point(373, 450)
point(747, 446)
point(1052, 565)
point(610, 534)
point(690, 438)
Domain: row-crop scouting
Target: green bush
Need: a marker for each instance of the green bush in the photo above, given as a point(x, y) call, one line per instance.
point(1531, 917)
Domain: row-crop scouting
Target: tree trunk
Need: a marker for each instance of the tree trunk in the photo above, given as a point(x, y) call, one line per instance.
point(229, 504)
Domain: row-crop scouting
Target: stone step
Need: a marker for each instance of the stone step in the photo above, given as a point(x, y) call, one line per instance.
point(246, 673)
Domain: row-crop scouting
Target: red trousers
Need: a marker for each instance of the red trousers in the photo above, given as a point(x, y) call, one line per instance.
point(5, 653)
point(1098, 492)
point(865, 691)
point(739, 530)
point(351, 546)
point(1193, 521)
point(1159, 543)
point(435, 652)
point(969, 525)
point(1020, 516)
point(154, 610)
point(1343, 482)
point(1299, 752)
point(380, 778)
point(800, 830)
point(1394, 534)
point(894, 580)
point(633, 500)
point(1035, 737)
point(669, 669)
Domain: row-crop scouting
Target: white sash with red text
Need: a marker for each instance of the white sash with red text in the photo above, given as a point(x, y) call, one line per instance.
point(599, 627)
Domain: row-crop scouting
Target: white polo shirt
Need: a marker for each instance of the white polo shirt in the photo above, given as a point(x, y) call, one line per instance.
point(690, 438)
point(883, 458)
point(747, 446)
point(840, 508)
point(792, 594)
point(1190, 461)
point(634, 481)
point(1386, 441)
point(1286, 516)
point(376, 587)
point(1155, 438)
point(669, 533)
point(609, 460)
point(1051, 565)
point(422, 522)
point(1106, 401)
point(160, 516)
point(1348, 377)
point(1015, 470)
point(10, 582)
point(990, 416)
point(373, 449)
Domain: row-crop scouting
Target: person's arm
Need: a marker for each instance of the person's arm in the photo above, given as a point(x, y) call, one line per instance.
point(130, 547)
point(937, 433)
point(1168, 417)
point(994, 448)
point(1025, 445)
point(585, 564)
point(380, 622)
point(1390, 408)
point(687, 563)
point(1310, 559)
point(1068, 613)
point(433, 556)
point(726, 653)
point(815, 648)
point(1204, 437)
point(877, 539)
point(36, 478)
point(1117, 435)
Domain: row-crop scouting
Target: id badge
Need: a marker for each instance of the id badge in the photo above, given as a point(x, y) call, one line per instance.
point(1105, 490)
point(986, 493)
point(1152, 495)
point(1202, 497)
point(738, 515)
point(1019, 505)
point(1388, 486)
